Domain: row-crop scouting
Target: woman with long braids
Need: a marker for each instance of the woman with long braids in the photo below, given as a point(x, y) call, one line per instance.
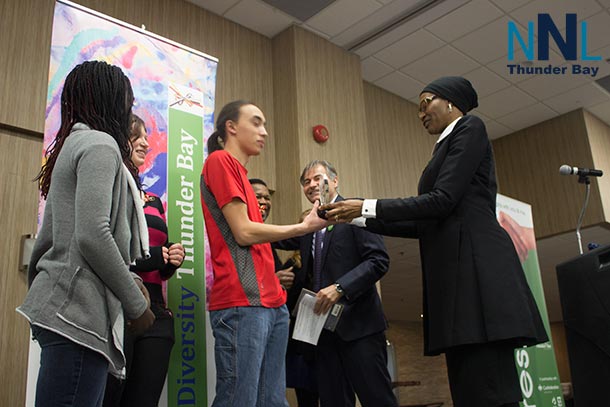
point(93, 228)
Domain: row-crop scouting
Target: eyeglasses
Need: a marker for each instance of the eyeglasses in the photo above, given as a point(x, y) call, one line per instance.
point(423, 105)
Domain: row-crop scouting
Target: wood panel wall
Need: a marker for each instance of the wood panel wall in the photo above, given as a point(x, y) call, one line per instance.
point(599, 139)
point(560, 346)
point(25, 40)
point(19, 163)
point(399, 146)
point(329, 91)
point(527, 165)
point(316, 82)
point(287, 204)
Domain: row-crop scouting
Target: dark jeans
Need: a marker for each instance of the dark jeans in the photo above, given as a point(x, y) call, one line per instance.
point(70, 375)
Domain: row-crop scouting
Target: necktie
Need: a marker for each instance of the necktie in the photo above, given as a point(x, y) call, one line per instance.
point(317, 261)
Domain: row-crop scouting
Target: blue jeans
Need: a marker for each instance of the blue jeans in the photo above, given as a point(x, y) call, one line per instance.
point(250, 352)
point(70, 375)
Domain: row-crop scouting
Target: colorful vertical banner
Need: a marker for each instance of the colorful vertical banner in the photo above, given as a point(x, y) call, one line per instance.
point(174, 89)
point(536, 365)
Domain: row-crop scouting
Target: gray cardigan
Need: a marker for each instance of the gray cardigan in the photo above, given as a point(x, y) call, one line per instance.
point(79, 275)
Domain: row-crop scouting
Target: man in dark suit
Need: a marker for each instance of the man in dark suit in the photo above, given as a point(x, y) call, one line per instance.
point(349, 261)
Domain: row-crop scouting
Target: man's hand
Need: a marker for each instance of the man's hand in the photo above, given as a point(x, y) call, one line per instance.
point(327, 297)
point(312, 221)
point(286, 277)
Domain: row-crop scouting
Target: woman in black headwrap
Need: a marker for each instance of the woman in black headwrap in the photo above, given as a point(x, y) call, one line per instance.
point(477, 305)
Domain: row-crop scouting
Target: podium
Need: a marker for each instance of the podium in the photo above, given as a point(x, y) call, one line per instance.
point(584, 291)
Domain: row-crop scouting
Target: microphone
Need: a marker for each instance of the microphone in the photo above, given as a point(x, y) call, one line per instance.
point(583, 172)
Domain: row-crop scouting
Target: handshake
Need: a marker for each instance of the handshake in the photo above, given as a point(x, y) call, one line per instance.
point(341, 211)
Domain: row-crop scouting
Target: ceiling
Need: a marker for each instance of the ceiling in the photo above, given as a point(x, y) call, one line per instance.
point(403, 49)
point(401, 52)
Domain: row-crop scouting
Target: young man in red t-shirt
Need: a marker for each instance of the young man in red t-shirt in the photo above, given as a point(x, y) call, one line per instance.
point(247, 304)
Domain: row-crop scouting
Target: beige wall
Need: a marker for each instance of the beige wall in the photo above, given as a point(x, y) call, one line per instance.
point(399, 146)
point(19, 163)
point(288, 195)
point(315, 83)
point(528, 164)
point(25, 64)
point(599, 139)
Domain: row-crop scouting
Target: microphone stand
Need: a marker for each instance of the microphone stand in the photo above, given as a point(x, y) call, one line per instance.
point(583, 179)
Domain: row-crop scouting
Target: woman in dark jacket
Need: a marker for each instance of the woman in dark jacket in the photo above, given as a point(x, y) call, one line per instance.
point(477, 304)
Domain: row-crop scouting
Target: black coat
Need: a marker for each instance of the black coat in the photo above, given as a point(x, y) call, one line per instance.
point(356, 259)
point(475, 290)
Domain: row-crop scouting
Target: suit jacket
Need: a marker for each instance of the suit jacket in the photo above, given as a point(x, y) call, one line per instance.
point(474, 286)
point(356, 259)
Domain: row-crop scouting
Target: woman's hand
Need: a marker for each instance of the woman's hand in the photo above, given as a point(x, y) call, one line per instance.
point(343, 211)
point(176, 254)
point(165, 253)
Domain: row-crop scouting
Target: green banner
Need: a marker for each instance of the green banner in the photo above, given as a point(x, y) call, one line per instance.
point(186, 290)
point(536, 365)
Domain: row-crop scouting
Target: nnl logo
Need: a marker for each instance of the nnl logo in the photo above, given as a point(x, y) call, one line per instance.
point(546, 29)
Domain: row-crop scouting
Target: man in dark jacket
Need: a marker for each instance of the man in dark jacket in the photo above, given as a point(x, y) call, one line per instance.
point(343, 263)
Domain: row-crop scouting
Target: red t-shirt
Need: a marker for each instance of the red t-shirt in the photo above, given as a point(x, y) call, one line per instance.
point(244, 276)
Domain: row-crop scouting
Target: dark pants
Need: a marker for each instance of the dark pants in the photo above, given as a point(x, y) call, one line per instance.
point(483, 375)
point(147, 358)
point(70, 375)
point(306, 398)
point(360, 366)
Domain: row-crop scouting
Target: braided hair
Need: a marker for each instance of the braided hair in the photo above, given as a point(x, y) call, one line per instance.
point(99, 95)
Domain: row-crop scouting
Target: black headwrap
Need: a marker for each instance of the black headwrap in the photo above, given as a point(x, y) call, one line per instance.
point(455, 89)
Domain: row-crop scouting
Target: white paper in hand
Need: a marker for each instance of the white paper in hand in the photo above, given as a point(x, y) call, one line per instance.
point(308, 325)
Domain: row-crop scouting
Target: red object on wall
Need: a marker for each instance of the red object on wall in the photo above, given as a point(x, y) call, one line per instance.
point(320, 133)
